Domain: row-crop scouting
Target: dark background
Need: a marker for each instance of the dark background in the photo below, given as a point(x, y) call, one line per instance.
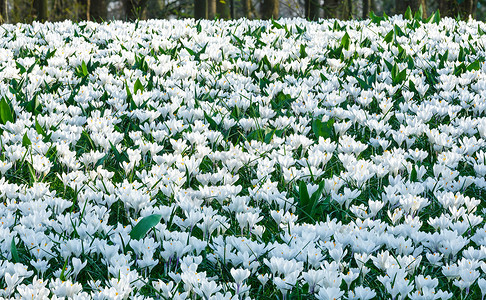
point(14, 11)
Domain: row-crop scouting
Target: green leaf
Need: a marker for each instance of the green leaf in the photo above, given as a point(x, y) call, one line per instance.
point(398, 31)
point(13, 249)
point(21, 68)
point(480, 31)
point(345, 41)
point(269, 136)
point(458, 70)
point(62, 276)
point(419, 14)
point(144, 225)
point(323, 129)
point(443, 59)
point(462, 54)
point(408, 14)
point(5, 112)
point(434, 18)
point(138, 86)
point(84, 69)
point(318, 193)
point(25, 141)
point(389, 37)
point(374, 18)
point(302, 52)
point(39, 128)
point(276, 25)
point(413, 175)
point(212, 124)
point(304, 195)
point(474, 66)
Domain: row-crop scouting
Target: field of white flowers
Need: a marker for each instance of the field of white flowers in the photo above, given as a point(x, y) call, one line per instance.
point(243, 159)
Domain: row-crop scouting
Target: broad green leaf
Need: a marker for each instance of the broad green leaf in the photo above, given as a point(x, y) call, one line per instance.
point(389, 37)
point(21, 68)
point(434, 18)
point(84, 69)
point(304, 195)
point(323, 129)
point(13, 249)
point(269, 136)
point(39, 128)
point(458, 70)
point(443, 59)
point(346, 41)
point(138, 86)
point(317, 194)
point(302, 52)
point(413, 175)
point(212, 124)
point(276, 25)
point(144, 225)
point(408, 14)
point(480, 30)
point(419, 15)
point(398, 31)
point(5, 112)
point(26, 141)
point(474, 66)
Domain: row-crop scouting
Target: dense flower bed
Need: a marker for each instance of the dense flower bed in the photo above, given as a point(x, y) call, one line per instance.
point(261, 159)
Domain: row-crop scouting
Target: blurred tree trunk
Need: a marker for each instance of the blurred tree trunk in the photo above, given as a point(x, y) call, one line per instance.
point(331, 9)
point(270, 9)
point(200, 9)
point(366, 8)
point(247, 9)
point(211, 9)
point(223, 9)
point(452, 8)
point(83, 7)
point(347, 10)
point(134, 8)
point(312, 8)
point(41, 10)
point(3, 11)
point(98, 10)
point(58, 9)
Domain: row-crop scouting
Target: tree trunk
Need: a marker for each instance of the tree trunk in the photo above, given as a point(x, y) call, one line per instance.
point(223, 9)
point(98, 10)
point(331, 9)
point(452, 8)
point(468, 8)
point(424, 7)
point(200, 9)
point(348, 10)
point(3, 11)
point(312, 8)
point(134, 8)
point(270, 9)
point(212, 9)
point(366, 8)
point(247, 9)
point(41, 7)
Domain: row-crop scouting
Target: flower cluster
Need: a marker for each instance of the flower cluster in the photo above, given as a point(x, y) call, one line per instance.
point(279, 159)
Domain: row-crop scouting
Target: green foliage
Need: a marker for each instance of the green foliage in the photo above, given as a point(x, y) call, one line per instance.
point(310, 208)
point(5, 112)
point(144, 225)
point(323, 129)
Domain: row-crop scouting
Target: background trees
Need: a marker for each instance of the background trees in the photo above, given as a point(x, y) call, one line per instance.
point(12, 11)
